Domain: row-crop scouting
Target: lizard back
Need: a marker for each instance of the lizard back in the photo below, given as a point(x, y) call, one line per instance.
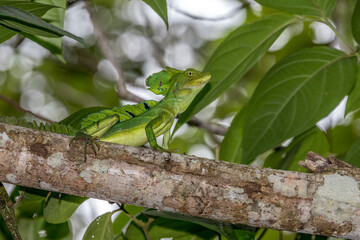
point(125, 113)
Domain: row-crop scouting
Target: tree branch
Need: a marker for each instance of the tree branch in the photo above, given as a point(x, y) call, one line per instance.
point(309, 203)
point(17, 106)
point(104, 47)
point(227, 16)
point(211, 127)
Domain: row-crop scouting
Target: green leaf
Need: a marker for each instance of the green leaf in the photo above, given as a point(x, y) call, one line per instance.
point(355, 22)
point(295, 94)
point(120, 222)
point(31, 222)
point(225, 229)
point(36, 228)
point(100, 228)
point(6, 34)
point(317, 8)
point(169, 228)
point(303, 236)
point(316, 142)
point(244, 235)
point(353, 102)
point(231, 148)
point(34, 8)
point(22, 21)
point(160, 7)
point(353, 155)
point(288, 157)
point(123, 219)
point(239, 51)
point(56, 18)
point(59, 210)
point(342, 137)
point(38, 9)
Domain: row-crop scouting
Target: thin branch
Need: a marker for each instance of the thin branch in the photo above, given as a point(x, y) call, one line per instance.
point(214, 128)
point(227, 16)
point(326, 204)
point(17, 106)
point(104, 47)
point(337, 33)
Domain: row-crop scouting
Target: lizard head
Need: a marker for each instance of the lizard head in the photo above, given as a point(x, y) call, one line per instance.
point(186, 85)
point(161, 82)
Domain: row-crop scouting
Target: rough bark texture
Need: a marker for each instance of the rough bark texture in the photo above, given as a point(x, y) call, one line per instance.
point(326, 204)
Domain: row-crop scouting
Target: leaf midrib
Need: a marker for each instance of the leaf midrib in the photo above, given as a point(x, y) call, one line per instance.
point(290, 97)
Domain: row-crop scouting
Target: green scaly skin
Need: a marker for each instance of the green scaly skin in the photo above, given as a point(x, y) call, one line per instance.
point(138, 124)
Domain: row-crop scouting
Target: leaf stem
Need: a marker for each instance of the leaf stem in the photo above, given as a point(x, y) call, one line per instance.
point(343, 39)
point(140, 223)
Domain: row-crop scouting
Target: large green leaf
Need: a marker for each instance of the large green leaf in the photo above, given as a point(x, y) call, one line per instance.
point(316, 142)
point(353, 102)
point(34, 8)
point(318, 8)
point(160, 7)
point(38, 9)
point(56, 18)
point(355, 22)
point(6, 33)
point(296, 93)
point(342, 137)
point(22, 21)
point(169, 228)
point(353, 155)
point(231, 148)
point(100, 228)
point(59, 210)
point(227, 230)
point(287, 158)
point(31, 221)
point(239, 51)
point(123, 218)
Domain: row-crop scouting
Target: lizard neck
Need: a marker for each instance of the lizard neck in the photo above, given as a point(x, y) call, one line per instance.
point(179, 100)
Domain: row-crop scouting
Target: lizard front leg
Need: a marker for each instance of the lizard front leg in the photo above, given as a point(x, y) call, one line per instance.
point(92, 133)
point(155, 123)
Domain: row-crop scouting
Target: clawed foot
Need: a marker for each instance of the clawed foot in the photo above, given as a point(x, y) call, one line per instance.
point(88, 140)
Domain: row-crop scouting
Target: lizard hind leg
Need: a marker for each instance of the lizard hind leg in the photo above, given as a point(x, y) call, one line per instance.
point(91, 133)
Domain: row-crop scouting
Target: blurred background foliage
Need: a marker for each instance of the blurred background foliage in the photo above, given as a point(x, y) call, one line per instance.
point(54, 86)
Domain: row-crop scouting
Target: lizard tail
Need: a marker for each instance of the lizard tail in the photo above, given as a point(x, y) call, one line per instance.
point(48, 127)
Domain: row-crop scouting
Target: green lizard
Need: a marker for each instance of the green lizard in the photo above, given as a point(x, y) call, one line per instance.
point(137, 124)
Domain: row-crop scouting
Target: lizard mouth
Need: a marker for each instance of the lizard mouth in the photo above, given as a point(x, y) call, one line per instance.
point(198, 82)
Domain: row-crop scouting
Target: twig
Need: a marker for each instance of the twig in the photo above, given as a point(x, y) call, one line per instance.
point(140, 223)
point(337, 33)
point(228, 15)
point(318, 164)
point(104, 47)
point(214, 128)
point(17, 106)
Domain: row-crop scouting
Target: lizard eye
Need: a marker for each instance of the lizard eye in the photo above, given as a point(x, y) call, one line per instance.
point(190, 73)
